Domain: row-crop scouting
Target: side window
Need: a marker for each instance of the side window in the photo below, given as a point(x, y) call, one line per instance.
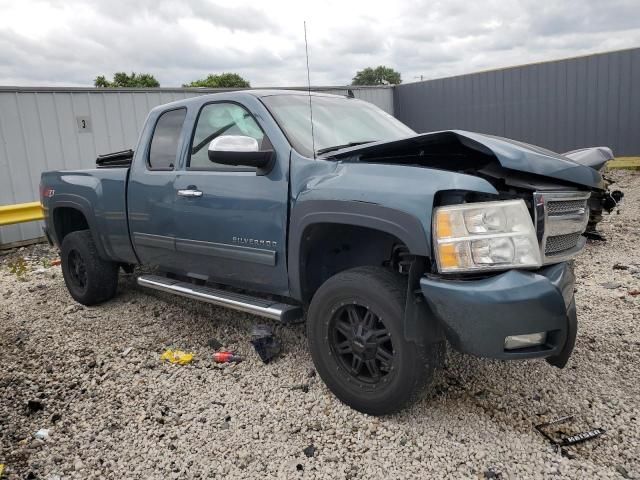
point(166, 137)
point(218, 119)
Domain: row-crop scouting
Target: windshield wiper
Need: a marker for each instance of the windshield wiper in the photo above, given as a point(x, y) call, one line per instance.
point(346, 145)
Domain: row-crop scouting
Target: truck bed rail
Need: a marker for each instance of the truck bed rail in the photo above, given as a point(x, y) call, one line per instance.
point(115, 159)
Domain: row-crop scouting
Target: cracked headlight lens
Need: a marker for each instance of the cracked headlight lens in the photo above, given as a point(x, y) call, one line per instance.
point(485, 236)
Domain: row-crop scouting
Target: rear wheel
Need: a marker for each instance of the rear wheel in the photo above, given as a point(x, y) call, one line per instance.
point(356, 338)
point(89, 279)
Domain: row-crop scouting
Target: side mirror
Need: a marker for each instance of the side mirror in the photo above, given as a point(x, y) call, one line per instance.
point(239, 150)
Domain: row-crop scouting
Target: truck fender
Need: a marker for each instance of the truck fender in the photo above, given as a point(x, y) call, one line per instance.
point(82, 205)
point(400, 224)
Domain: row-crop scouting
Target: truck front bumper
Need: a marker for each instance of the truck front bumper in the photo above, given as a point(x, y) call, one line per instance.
point(478, 315)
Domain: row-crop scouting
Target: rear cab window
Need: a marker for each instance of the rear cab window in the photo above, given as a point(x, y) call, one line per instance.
point(163, 151)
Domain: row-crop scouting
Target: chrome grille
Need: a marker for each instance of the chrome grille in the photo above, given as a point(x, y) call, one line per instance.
point(560, 219)
point(561, 243)
point(560, 208)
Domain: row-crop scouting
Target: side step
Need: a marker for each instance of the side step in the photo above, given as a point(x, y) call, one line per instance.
point(236, 301)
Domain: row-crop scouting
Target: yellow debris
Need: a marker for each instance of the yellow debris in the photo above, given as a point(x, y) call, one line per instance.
point(1, 469)
point(177, 356)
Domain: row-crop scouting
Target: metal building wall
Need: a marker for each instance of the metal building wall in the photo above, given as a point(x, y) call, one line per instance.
point(41, 129)
point(561, 105)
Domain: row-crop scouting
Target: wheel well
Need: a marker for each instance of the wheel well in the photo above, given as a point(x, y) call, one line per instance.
point(329, 248)
point(67, 220)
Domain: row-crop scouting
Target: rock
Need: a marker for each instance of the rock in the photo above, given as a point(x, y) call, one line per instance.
point(310, 451)
point(622, 471)
point(493, 473)
point(78, 465)
point(611, 285)
point(72, 309)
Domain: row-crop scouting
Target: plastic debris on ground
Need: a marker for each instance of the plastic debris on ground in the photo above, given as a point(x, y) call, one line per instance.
point(560, 436)
point(177, 356)
point(42, 434)
point(1, 469)
point(34, 406)
point(264, 342)
point(226, 357)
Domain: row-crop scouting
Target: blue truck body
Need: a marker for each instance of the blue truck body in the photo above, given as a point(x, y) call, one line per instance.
point(262, 230)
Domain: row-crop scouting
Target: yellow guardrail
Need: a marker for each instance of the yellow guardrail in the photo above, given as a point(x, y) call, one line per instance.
point(21, 212)
point(631, 163)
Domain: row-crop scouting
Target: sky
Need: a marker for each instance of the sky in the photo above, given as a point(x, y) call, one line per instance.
point(70, 42)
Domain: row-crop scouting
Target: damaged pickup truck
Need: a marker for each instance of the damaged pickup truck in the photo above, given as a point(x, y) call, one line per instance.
point(388, 243)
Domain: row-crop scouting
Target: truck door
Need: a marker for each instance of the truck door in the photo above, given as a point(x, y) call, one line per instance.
point(150, 194)
point(231, 221)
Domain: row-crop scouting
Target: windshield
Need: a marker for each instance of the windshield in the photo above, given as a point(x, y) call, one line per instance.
point(337, 121)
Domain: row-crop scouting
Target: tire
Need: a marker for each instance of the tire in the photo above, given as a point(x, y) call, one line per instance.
point(377, 296)
point(89, 279)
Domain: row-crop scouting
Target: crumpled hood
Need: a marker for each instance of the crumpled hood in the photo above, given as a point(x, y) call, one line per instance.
point(511, 154)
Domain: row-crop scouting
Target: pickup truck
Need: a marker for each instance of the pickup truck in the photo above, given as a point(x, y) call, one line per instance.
point(390, 244)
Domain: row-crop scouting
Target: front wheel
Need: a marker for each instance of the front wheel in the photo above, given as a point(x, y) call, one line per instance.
point(356, 338)
point(89, 278)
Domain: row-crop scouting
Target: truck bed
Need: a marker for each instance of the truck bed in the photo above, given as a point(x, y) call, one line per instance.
point(100, 195)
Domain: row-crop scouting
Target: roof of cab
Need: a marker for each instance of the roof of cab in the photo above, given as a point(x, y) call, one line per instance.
point(272, 92)
point(257, 93)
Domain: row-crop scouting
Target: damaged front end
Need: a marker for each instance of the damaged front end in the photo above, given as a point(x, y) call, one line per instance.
point(493, 298)
point(603, 200)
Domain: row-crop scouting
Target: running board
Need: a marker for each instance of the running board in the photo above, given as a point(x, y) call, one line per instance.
point(236, 301)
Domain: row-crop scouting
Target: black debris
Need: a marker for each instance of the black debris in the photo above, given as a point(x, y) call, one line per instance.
point(265, 343)
point(594, 235)
point(299, 467)
point(310, 451)
point(214, 344)
point(619, 266)
point(34, 406)
point(559, 439)
point(582, 436)
point(492, 472)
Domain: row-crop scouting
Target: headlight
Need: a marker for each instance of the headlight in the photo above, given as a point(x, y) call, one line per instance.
point(485, 236)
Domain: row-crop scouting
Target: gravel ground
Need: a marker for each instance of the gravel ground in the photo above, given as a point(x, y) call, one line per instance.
point(113, 414)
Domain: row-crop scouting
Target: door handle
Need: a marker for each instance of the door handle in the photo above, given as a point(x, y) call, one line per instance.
point(190, 193)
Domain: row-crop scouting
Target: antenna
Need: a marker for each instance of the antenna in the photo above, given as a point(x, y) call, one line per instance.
point(306, 49)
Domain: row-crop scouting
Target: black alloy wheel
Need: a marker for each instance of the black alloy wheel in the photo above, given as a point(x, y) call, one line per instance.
point(362, 343)
point(77, 269)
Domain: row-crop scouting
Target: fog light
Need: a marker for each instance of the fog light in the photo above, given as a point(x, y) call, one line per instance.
point(523, 341)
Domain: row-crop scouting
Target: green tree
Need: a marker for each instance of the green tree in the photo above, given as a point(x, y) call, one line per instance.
point(380, 75)
point(122, 80)
point(223, 80)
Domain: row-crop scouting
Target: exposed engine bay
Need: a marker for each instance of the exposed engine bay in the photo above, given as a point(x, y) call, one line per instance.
point(515, 169)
